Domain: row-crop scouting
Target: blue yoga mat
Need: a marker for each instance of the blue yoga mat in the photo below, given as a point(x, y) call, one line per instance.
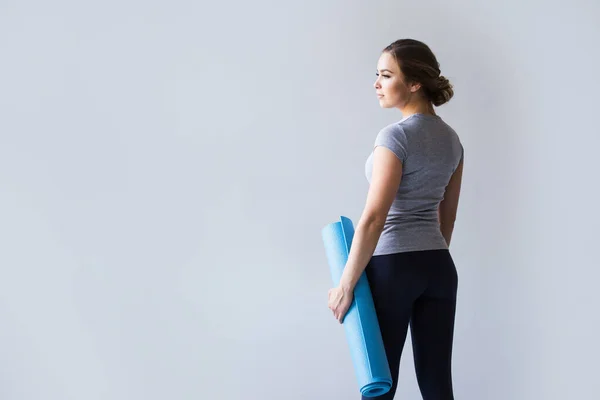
point(360, 323)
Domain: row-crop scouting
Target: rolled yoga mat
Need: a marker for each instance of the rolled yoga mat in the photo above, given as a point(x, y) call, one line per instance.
point(360, 323)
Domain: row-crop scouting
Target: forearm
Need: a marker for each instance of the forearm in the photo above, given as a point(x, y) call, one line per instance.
point(446, 218)
point(365, 240)
point(446, 228)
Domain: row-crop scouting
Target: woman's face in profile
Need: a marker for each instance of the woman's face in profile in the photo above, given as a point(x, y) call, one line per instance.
point(389, 86)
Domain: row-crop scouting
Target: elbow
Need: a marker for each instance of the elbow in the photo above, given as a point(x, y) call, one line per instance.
point(374, 222)
point(446, 215)
point(447, 222)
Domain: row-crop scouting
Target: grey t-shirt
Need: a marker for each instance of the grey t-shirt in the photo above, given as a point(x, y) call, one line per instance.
point(430, 151)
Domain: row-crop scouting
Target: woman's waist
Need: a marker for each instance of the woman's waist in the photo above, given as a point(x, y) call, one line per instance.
point(403, 217)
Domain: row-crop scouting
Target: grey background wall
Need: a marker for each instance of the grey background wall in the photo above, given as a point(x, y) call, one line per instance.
point(166, 169)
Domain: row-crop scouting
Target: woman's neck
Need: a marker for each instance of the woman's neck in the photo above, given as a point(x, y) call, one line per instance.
point(420, 108)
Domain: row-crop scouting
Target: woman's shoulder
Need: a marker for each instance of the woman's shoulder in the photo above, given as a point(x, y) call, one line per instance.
point(393, 130)
point(417, 123)
point(394, 127)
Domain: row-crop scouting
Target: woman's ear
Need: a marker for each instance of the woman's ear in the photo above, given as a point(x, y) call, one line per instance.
point(414, 87)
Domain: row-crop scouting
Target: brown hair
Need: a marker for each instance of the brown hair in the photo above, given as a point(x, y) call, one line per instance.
point(419, 65)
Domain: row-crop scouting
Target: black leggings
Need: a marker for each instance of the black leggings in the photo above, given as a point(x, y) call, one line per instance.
point(419, 288)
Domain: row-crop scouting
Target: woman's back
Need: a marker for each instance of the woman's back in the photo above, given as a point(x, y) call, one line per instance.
point(430, 151)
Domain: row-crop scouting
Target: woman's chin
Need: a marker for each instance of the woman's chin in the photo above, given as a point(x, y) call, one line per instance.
point(383, 103)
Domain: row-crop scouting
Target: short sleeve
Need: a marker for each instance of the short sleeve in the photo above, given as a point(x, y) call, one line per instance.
point(393, 138)
point(461, 157)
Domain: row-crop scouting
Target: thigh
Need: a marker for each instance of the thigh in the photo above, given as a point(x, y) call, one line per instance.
point(432, 327)
point(432, 331)
point(395, 284)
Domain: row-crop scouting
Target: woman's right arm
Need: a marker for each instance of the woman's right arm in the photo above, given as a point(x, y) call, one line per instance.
point(449, 205)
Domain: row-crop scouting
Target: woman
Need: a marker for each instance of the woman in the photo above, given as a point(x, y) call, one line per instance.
point(402, 238)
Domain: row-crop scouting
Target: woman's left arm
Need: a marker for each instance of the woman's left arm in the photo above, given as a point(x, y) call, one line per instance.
point(385, 180)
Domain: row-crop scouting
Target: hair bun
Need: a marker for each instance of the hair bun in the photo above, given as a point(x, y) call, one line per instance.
point(443, 92)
